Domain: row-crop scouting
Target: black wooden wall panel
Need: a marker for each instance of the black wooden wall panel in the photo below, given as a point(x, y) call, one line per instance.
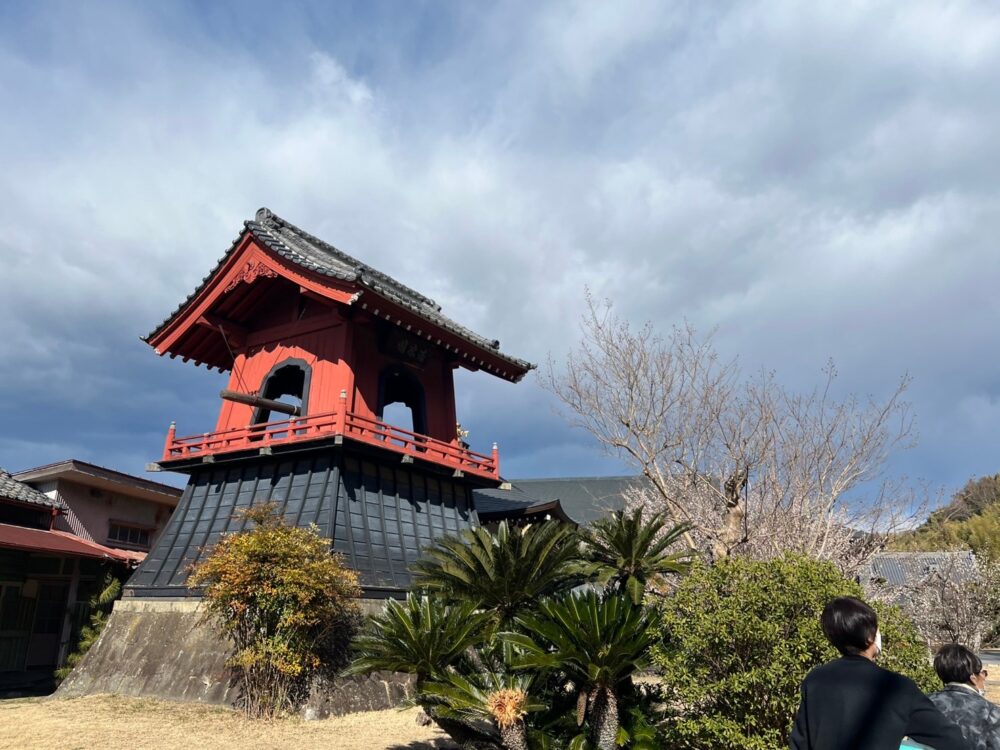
point(379, 516)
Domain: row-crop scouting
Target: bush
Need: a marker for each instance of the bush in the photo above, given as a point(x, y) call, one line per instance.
point(736, 639)
point(277, 593)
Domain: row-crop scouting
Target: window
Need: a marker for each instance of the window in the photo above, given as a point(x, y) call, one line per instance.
point(401, 400)
point(288, 383)
point(129, 536)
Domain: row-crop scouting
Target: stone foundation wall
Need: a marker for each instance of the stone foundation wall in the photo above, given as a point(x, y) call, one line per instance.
point(160, 648)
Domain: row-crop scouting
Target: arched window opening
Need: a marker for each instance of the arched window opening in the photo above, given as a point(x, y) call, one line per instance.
point(288, 382)
point(401, 400)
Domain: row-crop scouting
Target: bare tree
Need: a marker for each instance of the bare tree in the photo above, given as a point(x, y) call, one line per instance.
point(955, 600)
point(755, 468)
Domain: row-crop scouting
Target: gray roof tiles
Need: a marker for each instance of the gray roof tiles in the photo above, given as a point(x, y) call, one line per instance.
point(492, 501)
point(911, 568)
point(19, 492)
point(584, 499)
point(303, 249)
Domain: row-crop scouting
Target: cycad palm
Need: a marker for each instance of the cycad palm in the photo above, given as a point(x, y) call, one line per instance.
point(599, 642)
point(501, 699)
point(627, 552)
point(503, 573)
point(421, 637)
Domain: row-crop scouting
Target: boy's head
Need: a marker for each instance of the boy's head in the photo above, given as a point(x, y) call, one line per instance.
point(849, 624)
point(956, 663)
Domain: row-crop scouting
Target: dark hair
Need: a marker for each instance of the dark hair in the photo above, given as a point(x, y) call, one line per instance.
point(849, 624)
point(955, 663)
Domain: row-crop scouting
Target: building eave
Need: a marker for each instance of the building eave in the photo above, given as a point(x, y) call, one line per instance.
point(99, 477)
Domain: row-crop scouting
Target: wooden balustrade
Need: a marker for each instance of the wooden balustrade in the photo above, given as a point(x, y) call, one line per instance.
point(331, 424)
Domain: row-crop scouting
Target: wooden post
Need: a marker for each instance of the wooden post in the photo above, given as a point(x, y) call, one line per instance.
point(171, 432)
point(341, 425)
point(67, 621)
point(496, 461)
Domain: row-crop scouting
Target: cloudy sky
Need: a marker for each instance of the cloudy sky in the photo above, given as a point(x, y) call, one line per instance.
point(815, 180)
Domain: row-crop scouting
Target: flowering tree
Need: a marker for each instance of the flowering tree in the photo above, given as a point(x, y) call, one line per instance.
point(957, 600)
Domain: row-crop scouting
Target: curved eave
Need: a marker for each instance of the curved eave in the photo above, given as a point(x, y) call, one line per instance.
point(182, 335)
point(468, 354)
point(392, 301)
point(553, 509)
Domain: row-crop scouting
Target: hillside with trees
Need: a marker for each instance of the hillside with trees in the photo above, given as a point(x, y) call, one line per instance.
point(970, 521)
point(950, 603)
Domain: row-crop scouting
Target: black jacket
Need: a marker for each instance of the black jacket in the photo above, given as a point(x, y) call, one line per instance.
point(853, 704)
point(978, 719)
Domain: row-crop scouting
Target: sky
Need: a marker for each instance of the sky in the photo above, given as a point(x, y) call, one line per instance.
point(813, 181)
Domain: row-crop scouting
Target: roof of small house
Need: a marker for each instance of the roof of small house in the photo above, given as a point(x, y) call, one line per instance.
point(508, 502)
point(62, 543)
point(313, 254)
point(583, 499)
point(101, 477)
point(13, 490)
point(910, 568)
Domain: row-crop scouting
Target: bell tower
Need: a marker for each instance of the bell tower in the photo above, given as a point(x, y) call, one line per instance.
point(340, 408)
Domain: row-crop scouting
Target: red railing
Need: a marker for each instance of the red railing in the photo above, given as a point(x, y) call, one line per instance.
point(331, 424)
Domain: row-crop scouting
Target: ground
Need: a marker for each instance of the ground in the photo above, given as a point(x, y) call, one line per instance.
point(117, 723)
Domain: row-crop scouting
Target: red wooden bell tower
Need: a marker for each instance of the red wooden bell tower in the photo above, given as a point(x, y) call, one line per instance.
point(324, 354)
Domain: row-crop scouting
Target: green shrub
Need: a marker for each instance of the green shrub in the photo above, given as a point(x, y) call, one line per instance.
point(276, 592)
point(736, 639)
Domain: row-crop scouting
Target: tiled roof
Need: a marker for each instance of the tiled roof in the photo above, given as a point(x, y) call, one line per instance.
point(350, 509)
point(490, 501)
point(309, 252)
point(60, 542)
point(911, 568)
point(584, 499)
point(11, 489)
point(493, 504)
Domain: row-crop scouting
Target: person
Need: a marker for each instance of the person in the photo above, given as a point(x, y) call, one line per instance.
point(961, 699)
point(853, 704)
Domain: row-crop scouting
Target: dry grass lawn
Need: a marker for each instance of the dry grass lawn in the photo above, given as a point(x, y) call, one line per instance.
point(118, 723)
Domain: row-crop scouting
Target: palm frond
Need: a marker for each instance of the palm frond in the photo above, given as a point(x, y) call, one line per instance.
point(421, 636)
point(627, 552)
point(506, 572)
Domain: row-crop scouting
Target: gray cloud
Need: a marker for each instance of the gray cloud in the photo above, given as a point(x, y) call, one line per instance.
point(813, 181)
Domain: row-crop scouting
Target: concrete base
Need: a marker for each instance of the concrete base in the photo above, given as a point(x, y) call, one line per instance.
point(163, 648)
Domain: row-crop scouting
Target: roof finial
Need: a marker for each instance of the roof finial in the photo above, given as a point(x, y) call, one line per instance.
point(263, 214)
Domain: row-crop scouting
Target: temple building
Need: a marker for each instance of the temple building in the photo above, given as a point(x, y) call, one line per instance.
point(340, 408)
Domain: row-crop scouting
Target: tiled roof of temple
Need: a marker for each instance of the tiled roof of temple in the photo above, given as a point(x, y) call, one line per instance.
point(313, 254)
